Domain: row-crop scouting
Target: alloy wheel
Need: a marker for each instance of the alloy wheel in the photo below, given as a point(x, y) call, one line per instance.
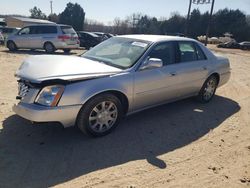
point(103, 116)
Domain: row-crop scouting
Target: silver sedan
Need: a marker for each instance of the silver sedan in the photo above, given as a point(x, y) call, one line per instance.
point(120, 76)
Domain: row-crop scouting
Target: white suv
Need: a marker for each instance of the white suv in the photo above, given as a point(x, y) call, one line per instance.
point(48, 37)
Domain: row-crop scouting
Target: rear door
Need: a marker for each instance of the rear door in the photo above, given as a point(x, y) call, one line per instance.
point(192, 69)
point(48, 33)
point(35, 37)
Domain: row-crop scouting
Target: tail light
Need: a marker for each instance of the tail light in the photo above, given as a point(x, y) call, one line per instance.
point(63, 37)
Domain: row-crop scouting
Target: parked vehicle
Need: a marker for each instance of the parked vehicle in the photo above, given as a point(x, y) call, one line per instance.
point(103, 36)
point(120, 76)
point(6, 31)
point(88, 39)
point(245, 45)
point(231, 44)
point(49, 37)
point(1, 38)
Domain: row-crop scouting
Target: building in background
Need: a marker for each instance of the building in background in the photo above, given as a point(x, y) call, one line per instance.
point(13, 21)
point(2, 22)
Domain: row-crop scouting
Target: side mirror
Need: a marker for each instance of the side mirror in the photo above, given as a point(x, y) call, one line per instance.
point(151, 64)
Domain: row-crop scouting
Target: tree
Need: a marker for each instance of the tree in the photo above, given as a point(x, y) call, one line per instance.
point(73, 15)
point(175, 24)
point(54, 18)
point(232, 21)
point(37, 13)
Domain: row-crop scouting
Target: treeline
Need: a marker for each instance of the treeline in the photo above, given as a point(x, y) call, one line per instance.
point(235, 22)
point(232, 21)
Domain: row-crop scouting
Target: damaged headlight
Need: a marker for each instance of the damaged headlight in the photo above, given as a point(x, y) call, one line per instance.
point(50, 95)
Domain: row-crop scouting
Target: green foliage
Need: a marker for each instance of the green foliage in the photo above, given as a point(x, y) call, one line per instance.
point(73, 15)
point(53, 17)
point(147, 25)
point(175, 24)
point(232, 21)
point(37, 13)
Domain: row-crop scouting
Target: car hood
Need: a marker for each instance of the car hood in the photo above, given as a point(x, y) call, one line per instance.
point(49, 67)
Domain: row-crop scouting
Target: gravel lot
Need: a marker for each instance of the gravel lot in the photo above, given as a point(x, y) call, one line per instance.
point(182, 144)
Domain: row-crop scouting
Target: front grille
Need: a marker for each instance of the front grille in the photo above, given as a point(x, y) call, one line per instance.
point(23, 89)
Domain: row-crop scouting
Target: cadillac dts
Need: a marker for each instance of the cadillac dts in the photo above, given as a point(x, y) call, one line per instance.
point(122, 75)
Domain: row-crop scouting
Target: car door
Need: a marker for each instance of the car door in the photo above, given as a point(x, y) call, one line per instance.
point(193, 67)
point(22, 38)
point(35, 37)
point(154, 86)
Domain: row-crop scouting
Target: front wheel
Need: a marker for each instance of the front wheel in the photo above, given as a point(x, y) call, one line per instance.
point(208, 89)
point(11, 46)
point(100, 115)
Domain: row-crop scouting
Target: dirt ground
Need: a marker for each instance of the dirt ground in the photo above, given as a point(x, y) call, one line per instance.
point(182, 144)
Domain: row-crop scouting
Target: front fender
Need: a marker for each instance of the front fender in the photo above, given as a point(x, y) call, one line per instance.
point(80, 92)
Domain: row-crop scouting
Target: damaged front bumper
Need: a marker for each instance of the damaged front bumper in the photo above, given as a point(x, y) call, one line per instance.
point(66, 115)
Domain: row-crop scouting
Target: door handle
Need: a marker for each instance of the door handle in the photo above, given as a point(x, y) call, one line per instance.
point(204, 68)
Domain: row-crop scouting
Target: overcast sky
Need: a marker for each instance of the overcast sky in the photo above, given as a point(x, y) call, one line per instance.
point(106, 11)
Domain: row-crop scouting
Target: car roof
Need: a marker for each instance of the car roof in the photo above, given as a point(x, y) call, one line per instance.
point(90, 33)
point(99, 33)
point(156, 38)
point(9, 27)
point(44, 25)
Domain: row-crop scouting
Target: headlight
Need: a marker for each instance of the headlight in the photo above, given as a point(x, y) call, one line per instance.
point(50, 95)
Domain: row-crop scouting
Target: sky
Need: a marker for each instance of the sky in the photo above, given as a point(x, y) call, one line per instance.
point(106, 11)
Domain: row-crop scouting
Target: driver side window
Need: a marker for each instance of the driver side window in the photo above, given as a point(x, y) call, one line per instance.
point(165, 52)
point(24, 31)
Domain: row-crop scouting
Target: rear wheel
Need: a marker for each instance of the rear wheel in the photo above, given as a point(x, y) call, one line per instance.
point(49, 47)
point(208, 89)
point(11, 46)
point(100, 115)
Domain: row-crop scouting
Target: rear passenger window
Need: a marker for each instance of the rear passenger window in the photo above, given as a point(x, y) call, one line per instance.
point(51, 29)
point(165, 52)
point(34, 30)
point(48, 29)
point(43, 29)
point(200, 53)
point(187, 52)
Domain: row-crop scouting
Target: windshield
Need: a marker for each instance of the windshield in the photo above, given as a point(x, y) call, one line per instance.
point(118, 52)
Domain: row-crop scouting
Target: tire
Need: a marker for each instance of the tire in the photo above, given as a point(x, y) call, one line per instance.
point(208, 89)
point(100, 115)
point(66, 51)
point(49, 47)
point(11, 46)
